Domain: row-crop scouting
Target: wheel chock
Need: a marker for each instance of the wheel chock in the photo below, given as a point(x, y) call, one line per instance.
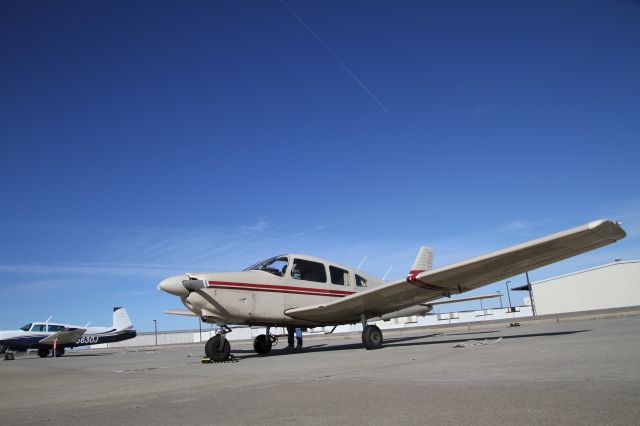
point(207, 360)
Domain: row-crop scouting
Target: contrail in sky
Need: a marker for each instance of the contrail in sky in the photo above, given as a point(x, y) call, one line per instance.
point(328, 49)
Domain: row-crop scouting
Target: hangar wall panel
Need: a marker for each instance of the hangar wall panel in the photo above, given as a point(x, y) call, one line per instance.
point(614, 285)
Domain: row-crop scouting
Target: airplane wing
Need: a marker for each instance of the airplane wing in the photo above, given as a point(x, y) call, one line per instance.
point(64, 337)
point(463, 276)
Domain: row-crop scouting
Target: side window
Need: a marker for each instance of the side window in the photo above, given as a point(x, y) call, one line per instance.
point(360, 282)
point(308, 271)
point(55, 327)
point(339, 276)
point(38, 327)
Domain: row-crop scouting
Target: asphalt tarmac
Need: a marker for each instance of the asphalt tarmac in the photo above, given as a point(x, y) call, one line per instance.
point(576, 372)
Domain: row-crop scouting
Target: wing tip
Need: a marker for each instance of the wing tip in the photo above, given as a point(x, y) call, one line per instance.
point(607, 227)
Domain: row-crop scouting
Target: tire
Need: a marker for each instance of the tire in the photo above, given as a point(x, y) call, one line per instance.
point(262, 344)
point(372, 337)
point(43, 353)
point(8, 356)
point(212, 349)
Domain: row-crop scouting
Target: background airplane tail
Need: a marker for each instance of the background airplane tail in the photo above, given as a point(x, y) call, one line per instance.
point(121, 319)
point(423, 262)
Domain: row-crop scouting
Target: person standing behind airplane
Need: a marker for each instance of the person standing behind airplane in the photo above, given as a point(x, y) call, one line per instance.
point(291, 331)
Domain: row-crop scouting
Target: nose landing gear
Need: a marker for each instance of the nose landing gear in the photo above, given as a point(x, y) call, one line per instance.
point(218, 348)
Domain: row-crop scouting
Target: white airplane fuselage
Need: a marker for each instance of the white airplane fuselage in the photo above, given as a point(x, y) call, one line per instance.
point(261, 297)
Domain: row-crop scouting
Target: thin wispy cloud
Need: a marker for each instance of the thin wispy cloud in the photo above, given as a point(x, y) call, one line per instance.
point(479, 109)
point(516, 225)
point(151, 253)
point(48, 284)
point(261, 225)
point(84, 269)
point(334, 56)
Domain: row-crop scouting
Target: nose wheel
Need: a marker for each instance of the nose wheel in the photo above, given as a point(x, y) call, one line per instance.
point(218, 348)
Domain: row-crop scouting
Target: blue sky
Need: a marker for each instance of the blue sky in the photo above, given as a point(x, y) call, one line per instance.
point(146, 139)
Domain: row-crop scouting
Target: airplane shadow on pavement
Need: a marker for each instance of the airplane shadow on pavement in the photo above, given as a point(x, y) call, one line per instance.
point(397, 342)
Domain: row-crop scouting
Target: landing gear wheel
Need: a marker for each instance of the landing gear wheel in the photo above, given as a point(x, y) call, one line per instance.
point(262, 344)
point(372, 337)
point(43, 353)
point(8, 357)
point(213, 351)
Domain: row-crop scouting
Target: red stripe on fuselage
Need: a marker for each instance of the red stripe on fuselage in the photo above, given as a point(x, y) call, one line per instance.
point(278, 288)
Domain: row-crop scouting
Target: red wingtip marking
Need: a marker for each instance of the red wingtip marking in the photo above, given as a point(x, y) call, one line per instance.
point(414, 273)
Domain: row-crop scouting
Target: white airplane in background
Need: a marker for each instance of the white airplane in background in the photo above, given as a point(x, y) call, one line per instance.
point(305, 291)
point(47, 336)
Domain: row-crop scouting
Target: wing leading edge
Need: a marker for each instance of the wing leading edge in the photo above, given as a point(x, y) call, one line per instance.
point(465, 275)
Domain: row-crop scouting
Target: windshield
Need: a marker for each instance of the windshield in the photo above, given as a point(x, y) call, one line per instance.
point(26, 327)
point(276, 266)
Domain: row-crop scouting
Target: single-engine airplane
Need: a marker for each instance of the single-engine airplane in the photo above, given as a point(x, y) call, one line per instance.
point(47, 336)
point(306, 291)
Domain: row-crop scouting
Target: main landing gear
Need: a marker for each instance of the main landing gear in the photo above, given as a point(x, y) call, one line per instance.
point(218, 348)
point(8, 356)
point(44, 352)
point(371, 335)
point(264, 342)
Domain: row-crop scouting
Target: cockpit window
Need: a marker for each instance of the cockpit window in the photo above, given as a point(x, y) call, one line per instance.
point(38, 327)
point(309, 271)
point(55, 327)
point(275, 265)
point(26, 327)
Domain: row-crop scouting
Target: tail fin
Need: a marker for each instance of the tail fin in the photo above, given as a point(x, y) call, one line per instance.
point(423, 262)
point(121, 320)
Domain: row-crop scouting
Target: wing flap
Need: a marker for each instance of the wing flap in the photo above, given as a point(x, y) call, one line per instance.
point(463, 276)
point(462, 299)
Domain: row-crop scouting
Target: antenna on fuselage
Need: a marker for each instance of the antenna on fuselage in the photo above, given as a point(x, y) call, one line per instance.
point(48, 319)
point(87, 324)
point(362, 262)
point(387, 273)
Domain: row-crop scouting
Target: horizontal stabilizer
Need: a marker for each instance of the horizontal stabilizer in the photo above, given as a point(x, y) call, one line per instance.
point(180, 312)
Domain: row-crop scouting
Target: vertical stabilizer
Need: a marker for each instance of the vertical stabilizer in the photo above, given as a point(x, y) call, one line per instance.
point(121, 319)
point(423, 262)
